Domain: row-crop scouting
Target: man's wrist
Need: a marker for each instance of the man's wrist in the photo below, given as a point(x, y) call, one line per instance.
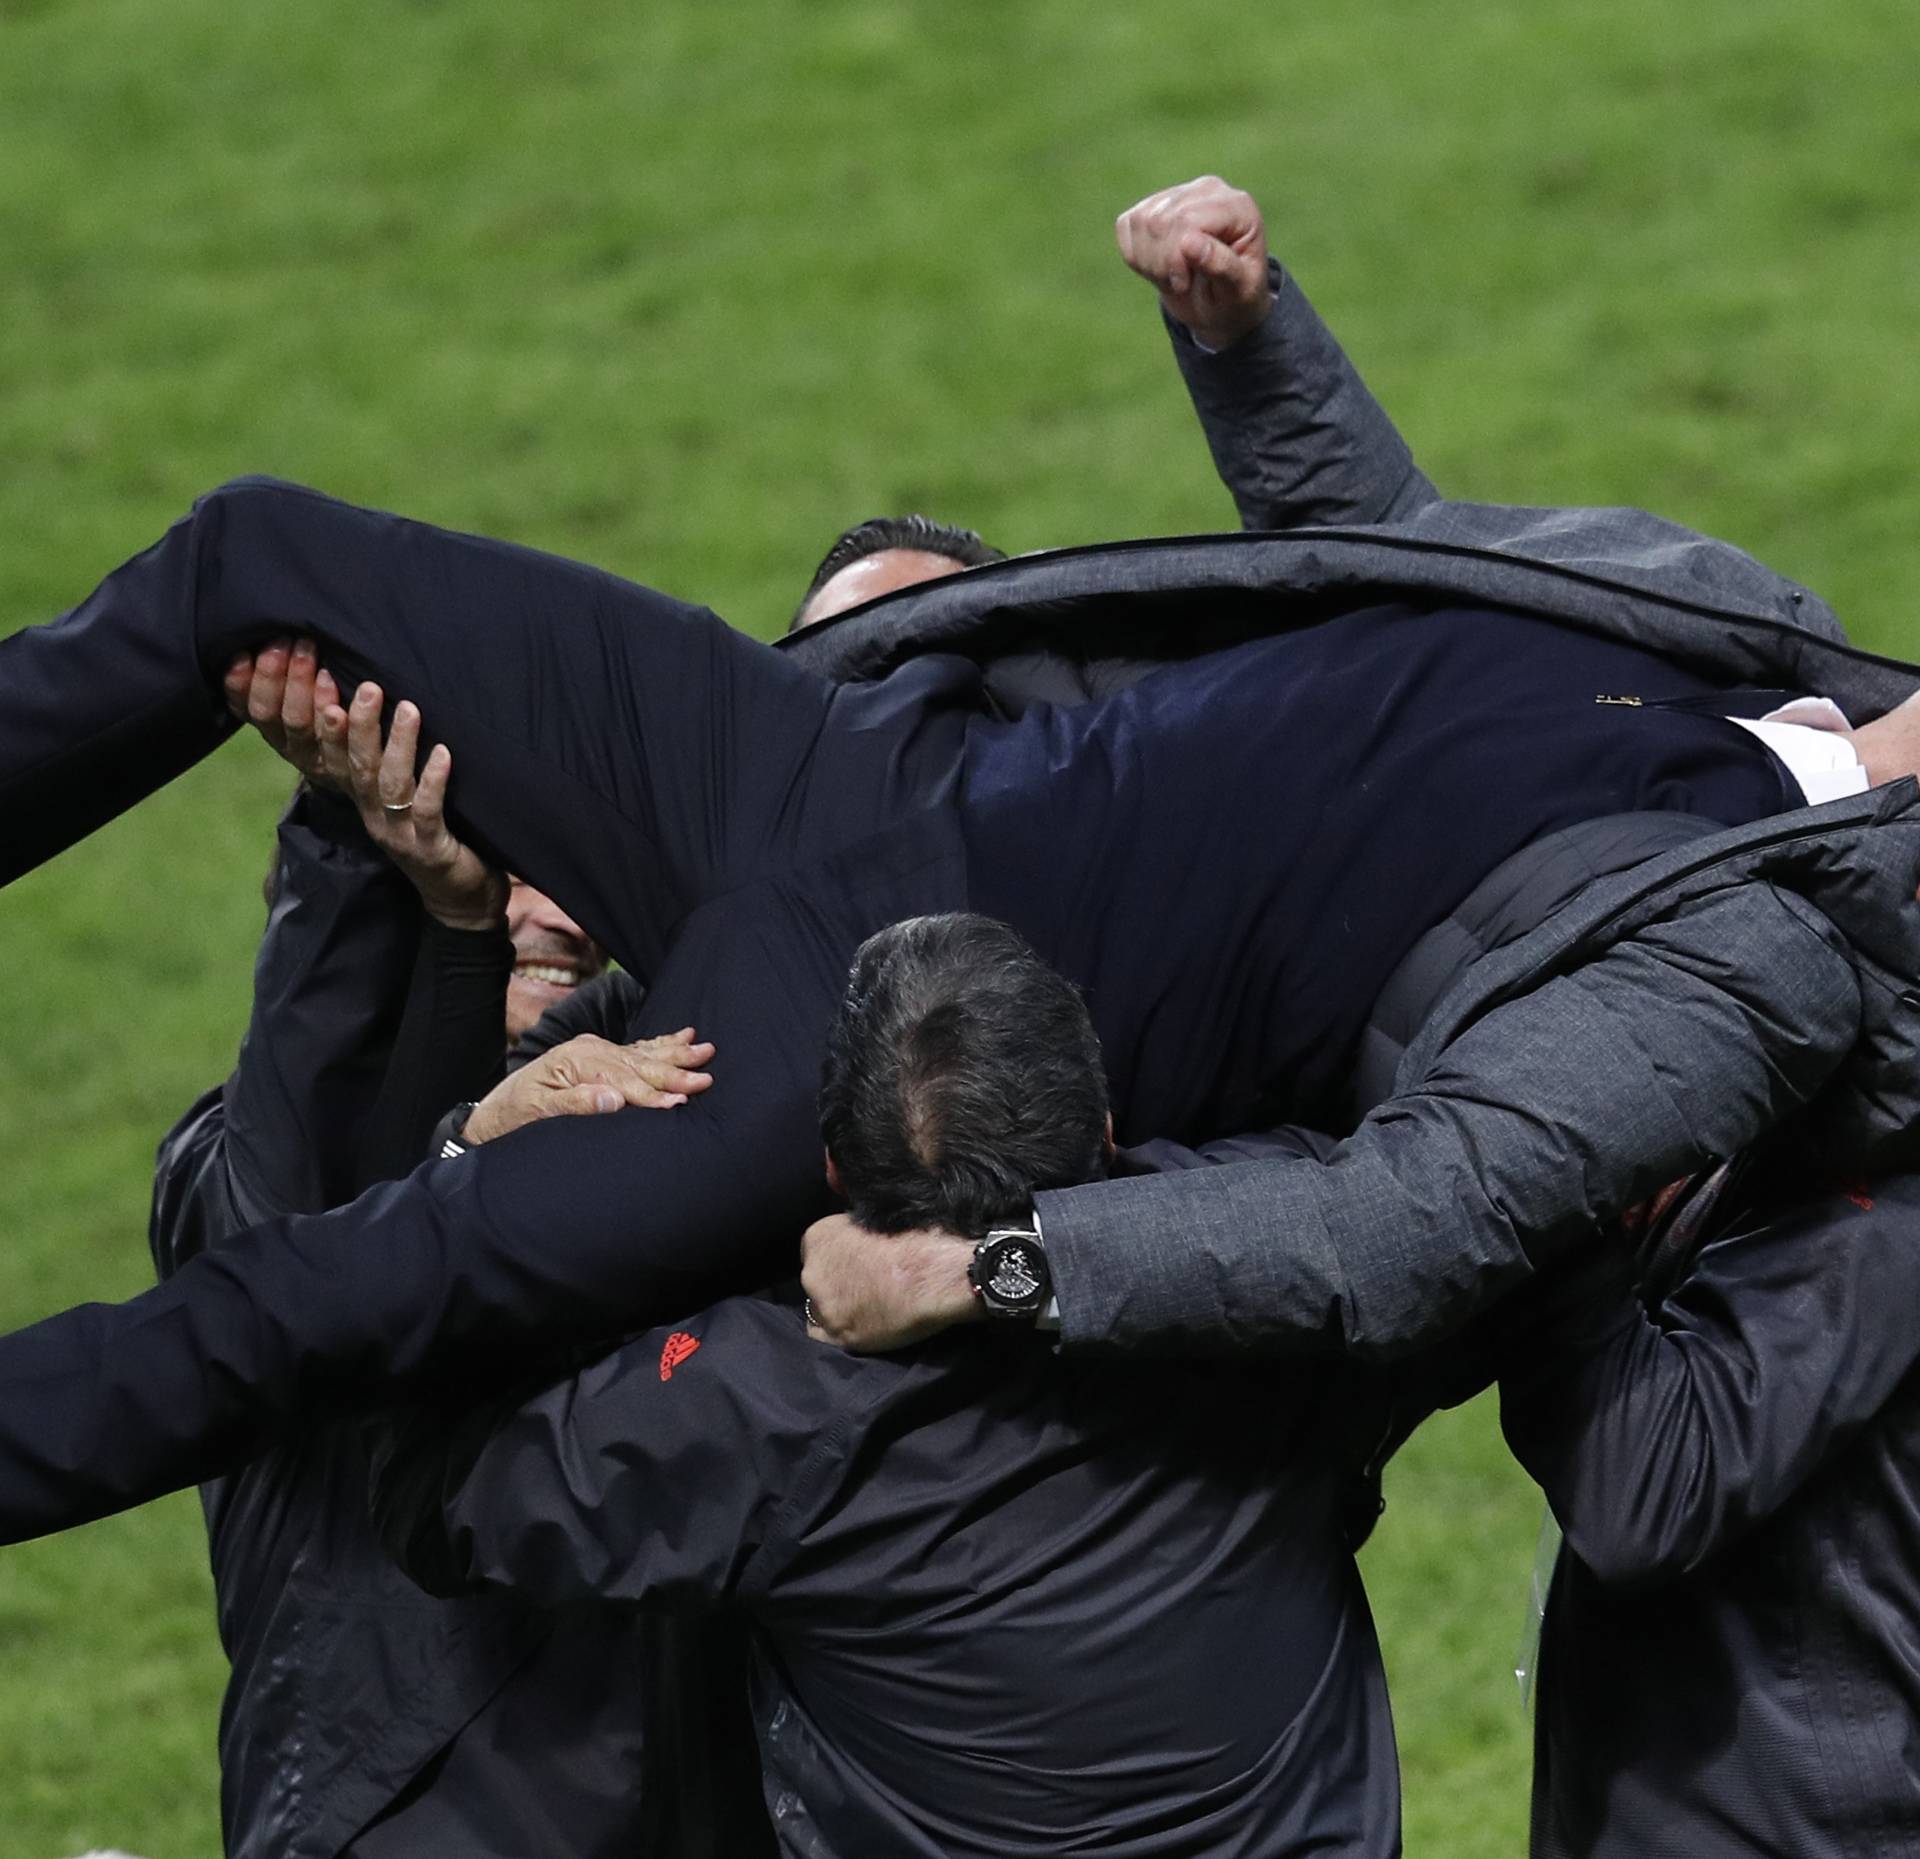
point(479, 918)
point(1234, 342)
point(483, 1121)
point(450, 1136)
point(944, 1291)
point(1217, 339)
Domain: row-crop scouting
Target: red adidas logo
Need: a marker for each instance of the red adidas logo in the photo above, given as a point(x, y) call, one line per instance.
point(679, 1346)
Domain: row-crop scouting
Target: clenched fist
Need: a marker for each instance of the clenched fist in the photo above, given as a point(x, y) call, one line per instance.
point(1203, 246)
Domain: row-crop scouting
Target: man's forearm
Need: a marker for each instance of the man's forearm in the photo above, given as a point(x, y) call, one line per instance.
point(1295, 434)
point(448, 1049)
point(1547, 1118)
point(328, 980)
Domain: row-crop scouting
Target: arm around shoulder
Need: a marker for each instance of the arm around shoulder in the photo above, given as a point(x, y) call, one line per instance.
point(1546, 1117)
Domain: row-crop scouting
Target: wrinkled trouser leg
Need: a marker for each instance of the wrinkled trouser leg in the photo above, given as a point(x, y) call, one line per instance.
point(729, 824)
point(627, 753)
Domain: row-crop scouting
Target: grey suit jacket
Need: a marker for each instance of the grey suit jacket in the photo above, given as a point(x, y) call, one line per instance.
point(1663, 1021)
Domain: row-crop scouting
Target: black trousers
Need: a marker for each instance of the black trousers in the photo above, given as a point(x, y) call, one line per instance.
point(727, 824)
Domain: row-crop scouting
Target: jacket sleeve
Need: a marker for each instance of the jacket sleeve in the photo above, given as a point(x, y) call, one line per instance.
point(1159, 1156)
point(448, 1047)
point(653, 1476)
point(1663, 1432)
point(283, 1133)
point(1295, 434)
point(1546, 1118)
point(362, 1015)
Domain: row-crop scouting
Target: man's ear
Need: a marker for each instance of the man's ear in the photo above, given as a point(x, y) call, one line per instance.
point(833, 1169)
point(1111, 1147)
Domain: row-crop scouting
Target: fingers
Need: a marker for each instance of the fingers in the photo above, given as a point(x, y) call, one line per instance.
point(580, 1100)
point(813, 1276)
point(648, 1082)
point(624, 1075)
point(394, 779)
point(237, 684)
point(1208, 256)
point(674, 1062)
point(363, 744)
point(430, 795)
point(269, 685)
point(331, 728)
point(296, 703)
point(653, 1074)
point(1201, 226)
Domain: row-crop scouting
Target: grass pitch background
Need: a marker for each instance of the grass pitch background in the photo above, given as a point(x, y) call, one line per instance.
point(684, 289)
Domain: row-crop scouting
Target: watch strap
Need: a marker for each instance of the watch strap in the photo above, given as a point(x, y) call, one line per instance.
point(449, 1134)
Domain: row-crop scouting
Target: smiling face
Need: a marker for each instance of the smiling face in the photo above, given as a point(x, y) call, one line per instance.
point(552, 955)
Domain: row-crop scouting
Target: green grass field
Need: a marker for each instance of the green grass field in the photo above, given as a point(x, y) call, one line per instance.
point(684, 289)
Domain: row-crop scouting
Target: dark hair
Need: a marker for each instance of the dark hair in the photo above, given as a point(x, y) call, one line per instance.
point(896, 532)
point(962, 1075)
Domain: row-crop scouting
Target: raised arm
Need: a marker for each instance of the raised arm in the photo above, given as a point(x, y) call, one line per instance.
point(366, 1007)
point(1664, 1428)
point(1296, 436)
point(283, 1133)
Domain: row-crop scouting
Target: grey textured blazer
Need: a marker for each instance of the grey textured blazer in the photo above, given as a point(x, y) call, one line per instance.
point(1662, 1020)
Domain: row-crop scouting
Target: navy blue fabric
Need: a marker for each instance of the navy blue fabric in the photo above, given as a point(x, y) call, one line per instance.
point(726, 822)
point(1288, 789)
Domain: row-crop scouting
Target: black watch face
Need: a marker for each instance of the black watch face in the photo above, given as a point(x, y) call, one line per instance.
point(1011, 1274)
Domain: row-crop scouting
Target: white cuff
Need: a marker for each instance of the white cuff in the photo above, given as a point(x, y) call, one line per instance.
point(1808, 736)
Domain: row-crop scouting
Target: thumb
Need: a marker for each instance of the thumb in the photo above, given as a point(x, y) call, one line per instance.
point(581, 1100)
point(1206, 256)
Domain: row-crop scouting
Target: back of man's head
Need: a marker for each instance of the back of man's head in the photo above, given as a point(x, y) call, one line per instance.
point(962, 1075)
point(904, 551)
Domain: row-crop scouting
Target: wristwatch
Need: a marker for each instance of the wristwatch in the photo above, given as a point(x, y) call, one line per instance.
point(1009, 1274)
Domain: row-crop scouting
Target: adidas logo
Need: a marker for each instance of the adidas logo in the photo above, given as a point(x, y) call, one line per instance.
point(679, 1346)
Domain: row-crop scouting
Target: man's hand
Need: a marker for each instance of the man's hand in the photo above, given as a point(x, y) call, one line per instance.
point(408, 821)
point(588, 1076)
point(1203, 246)
point(284, 694)
point(870, 1292)
point(1889, 747)
point(281, 691)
